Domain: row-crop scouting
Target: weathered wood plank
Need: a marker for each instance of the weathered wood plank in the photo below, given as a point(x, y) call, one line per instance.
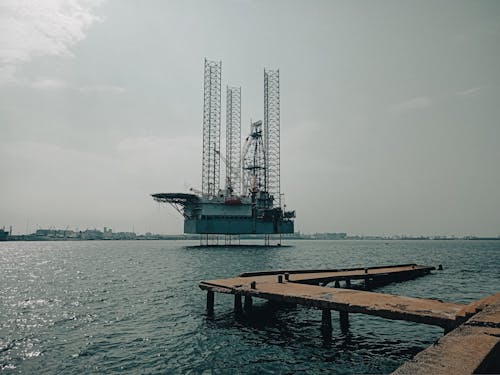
point(307, 276)
point(388, 306)
point(471, 348)
point(386, 272)
point(276, 272)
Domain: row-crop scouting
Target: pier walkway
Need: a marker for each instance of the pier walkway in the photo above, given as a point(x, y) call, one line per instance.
point(472, 348)
point(472, 332)
point(295, 287)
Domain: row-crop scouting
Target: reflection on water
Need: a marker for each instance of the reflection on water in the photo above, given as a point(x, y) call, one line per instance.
point(135, 306)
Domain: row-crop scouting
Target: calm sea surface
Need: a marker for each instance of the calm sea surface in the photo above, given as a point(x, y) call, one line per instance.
point(135, 307)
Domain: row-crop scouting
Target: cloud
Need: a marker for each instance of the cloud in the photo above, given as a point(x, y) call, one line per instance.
point(53, 84)
point(30, 29)
point(48, 84)
point(7, 72)
point(474, 91)
point(156, 151)
point(412, 104)
point(111, 89)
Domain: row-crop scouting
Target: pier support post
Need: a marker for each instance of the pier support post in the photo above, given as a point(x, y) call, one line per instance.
point(337, 284)
point(348, 283)
point(248, 304)
point(326, 320)
point(344, 320)
point(367, 283)
point(237, 304)
point(210, 302)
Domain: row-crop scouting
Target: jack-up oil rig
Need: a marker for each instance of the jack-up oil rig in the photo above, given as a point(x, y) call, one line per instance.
point(250, 202)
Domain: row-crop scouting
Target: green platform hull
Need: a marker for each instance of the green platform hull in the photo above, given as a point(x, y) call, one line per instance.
point(246, 225)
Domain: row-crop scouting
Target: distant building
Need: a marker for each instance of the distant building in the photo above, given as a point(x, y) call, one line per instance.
point(4, 235)
point(92, 234)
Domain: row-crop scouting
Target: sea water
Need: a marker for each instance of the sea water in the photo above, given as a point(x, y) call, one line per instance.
point(135, 307)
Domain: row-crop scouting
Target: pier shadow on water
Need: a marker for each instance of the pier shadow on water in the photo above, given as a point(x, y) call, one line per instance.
point(289, 326)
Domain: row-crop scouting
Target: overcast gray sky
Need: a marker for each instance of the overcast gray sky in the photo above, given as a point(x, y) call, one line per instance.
point(390, 109)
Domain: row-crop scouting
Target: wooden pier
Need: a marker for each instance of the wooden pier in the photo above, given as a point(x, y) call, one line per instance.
point(478, 323)
point(472, 348)
point(303, 288)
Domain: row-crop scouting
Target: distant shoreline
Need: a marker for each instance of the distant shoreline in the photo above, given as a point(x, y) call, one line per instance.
point(27, 238)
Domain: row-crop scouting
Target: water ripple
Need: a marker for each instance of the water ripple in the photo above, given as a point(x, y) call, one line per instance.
point(134, 307)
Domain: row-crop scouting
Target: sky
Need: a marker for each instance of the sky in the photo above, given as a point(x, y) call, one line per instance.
point(390, 110)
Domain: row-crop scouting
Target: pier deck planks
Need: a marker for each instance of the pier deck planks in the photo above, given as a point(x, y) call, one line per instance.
point(473, 347)
point(297, 290)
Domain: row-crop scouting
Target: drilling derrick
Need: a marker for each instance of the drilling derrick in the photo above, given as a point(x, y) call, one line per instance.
point(210, 181)
point(254, 161)
point(272, 133)
point(233, 139)
point(251, 200)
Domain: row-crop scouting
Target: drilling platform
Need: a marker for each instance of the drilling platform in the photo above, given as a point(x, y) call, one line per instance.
point(250, 200)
